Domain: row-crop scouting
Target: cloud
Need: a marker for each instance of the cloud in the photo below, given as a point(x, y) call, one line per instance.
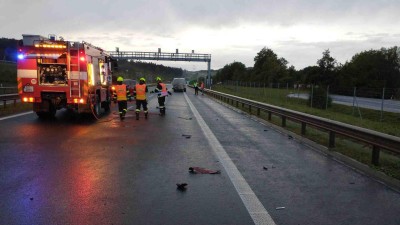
point(298, 30)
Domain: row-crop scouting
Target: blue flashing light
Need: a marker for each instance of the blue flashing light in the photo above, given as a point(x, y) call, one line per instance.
point(20, 56)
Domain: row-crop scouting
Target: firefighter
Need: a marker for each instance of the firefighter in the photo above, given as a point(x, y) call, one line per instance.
point(162, 91)
point(140, 91)
point(121, 95)
point(196, 88)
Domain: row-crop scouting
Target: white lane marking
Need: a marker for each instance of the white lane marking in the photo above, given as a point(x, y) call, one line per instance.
point(16, 115)
point(253, 205)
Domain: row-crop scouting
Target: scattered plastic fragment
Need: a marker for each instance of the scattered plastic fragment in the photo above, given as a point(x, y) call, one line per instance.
point(290, 137)
point(182, 186)
point(352, 183)
point(203, 170)
point(186, 136)
point(31, 199)
point(265, 130)
point(190, 118)
point(279, 208)
point(265, 168)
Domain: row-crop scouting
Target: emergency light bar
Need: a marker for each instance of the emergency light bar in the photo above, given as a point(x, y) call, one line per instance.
point(49, 46)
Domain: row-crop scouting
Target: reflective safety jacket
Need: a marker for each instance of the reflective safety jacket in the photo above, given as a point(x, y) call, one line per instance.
point(140, 90)
point(161, 89)
point(121, 93)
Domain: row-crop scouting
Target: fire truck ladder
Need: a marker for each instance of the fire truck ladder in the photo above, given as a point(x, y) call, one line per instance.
point(75, 85)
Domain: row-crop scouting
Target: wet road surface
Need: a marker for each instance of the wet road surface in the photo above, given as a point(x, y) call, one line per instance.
point(77, 170)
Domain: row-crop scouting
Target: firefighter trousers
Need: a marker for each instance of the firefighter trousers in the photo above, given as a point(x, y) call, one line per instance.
point(161, 104)
point(140, 103)
point(122, 107)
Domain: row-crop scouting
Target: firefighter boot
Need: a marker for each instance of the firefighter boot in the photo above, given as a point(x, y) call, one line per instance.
point(121, 117)
point(146, 114)
point(163, 111)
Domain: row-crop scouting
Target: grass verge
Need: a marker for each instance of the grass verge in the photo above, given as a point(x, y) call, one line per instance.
point(389, 163)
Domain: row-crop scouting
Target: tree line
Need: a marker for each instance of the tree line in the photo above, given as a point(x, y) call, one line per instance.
point(136, 69)
point(367, 69)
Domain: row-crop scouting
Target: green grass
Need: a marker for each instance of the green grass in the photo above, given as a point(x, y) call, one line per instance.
point(389, 163)
point(278, 97)
point(8, 74)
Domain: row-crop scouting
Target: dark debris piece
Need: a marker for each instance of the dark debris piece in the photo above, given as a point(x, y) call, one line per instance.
point(186, 136)
point(265, 168)
point(290, 137)
point(182, 186)
point(190, 118)
point(203, 170)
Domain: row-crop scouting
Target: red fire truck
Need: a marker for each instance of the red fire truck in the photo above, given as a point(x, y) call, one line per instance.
point(54, 74)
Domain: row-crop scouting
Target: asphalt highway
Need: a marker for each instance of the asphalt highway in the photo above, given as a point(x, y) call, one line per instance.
point(79, 170)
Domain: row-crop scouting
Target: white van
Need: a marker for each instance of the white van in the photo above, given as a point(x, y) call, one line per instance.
point(179, 84)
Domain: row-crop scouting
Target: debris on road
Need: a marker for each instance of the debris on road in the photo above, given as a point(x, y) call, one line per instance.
point(190, 118)
point(265, 168)
point(290, 137)
point(279, 208)
point(31, 199)
point(186, 135)
point(203, 170)
point(182, 186)
point(265, 130)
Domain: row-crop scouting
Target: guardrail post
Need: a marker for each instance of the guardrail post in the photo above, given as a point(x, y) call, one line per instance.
point(375, 155)
point(332, 139)
point(250, 109)
point(15, 102)
point(237, 104)
point(283, 121)
point(303, 128)
point(269, 116)
point(258, 112)
point(4, 103)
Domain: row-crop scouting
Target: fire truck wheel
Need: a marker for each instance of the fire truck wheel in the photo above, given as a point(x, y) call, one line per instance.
point(41, 115)
point(52, 111)
point(97, 107)
point(106, 106)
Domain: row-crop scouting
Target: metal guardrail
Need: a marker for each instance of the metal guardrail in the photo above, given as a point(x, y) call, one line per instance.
point(9, 97)
point(8, 90)
point(376, 139)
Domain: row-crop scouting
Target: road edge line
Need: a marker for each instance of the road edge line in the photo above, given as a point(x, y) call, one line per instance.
point(253, 205)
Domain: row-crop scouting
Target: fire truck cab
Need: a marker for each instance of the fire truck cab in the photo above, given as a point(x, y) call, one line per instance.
point(54, 74)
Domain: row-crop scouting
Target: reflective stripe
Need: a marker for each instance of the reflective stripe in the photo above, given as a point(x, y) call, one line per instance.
point(140, 91)
point(21, 73)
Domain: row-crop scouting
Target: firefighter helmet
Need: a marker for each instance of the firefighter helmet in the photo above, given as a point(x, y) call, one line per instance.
point(142, 79)
point(158, 79)
point(120, 79)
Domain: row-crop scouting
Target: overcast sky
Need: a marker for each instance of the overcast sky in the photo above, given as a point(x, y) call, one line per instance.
point(229, 30)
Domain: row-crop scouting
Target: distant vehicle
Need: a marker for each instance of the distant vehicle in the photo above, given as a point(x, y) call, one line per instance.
point(130, 84)
point(179, 84)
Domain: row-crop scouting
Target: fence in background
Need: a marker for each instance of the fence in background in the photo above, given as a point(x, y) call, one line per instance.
point(383, 100)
